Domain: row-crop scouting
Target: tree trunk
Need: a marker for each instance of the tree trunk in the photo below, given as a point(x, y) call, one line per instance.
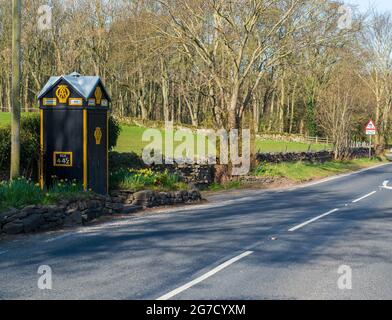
point(292, 109)
point(26, 95)
point(16, 72)
point(256, 115)
point(232, 115)
point(165, 91)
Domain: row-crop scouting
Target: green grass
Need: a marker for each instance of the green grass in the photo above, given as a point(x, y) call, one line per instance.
point(283, 146)
point(5, 118)
point(130, 140)
point(215, 187)
point(145, 179)
point(21, 192)
point(300, 171)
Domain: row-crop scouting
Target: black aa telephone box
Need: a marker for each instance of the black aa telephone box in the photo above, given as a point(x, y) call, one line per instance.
point(74, 132)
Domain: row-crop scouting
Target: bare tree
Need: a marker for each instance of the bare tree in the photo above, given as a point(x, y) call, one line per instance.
point(376, 53)
point(339, 99)
point(203, 62)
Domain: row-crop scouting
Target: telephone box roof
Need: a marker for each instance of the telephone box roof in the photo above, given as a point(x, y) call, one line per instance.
point(84, 85)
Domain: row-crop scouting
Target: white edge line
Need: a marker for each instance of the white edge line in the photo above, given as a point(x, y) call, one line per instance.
point(365, 196)
point(312, 220)
point(3, 252)
point(205, 276)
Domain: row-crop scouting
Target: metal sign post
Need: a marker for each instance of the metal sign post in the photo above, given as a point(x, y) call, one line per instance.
point(371, 131)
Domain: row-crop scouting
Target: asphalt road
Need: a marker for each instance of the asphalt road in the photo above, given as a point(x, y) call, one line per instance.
point(277, 244)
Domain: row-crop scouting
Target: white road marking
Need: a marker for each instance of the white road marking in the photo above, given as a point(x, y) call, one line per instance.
point(385, 185)
point(312, 220)
point(59, 237)
point(220, 203)
point(3, 252)
point(205, 276)
point(364, 197)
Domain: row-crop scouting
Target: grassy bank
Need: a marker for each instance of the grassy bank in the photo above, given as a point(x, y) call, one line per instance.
point(297, 172)
point(22, 192)
point(300, 171)
point(130, 140)
point(137, 180)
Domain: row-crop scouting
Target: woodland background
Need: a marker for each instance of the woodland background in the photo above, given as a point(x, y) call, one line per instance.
point(277, 66)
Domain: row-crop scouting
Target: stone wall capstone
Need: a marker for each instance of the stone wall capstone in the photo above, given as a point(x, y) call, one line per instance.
point(321, 156)
point(196, 174)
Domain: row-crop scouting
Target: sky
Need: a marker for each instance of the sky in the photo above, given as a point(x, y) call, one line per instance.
point(381, 5)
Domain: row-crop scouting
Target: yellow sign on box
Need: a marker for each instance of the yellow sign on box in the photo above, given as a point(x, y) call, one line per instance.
point(62, 159)
point(63, 93)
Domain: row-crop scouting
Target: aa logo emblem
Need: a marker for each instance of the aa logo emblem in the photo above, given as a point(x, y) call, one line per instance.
point(63, 93)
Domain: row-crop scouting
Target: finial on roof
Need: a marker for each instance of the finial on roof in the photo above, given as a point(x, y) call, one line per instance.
point(75, 74)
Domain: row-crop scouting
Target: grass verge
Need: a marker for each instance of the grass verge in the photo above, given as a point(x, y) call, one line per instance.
point(301, 171)
point(232, 185)
point(145, 179)
point(297, 172)
point(21, 193)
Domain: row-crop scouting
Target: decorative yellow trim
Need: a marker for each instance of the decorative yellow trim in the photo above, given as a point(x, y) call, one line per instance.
point(41, 154)
point(52, 102)
point(63, 93)
point(98, 135)
point(75, 102)
point(98, 95)
point(85, 182)
point(107, 152)
point(56, 153)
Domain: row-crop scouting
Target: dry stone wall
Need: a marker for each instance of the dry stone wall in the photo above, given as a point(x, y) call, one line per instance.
point(37, 218)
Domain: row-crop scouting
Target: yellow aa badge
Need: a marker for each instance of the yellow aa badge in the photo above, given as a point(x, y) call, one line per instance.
point(63, 93)
point(98, 135)
point(98, 95)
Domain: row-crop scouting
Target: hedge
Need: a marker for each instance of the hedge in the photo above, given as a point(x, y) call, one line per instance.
point(30, 144)
point(29, 139)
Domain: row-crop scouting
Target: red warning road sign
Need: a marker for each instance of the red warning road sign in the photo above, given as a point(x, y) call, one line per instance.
point(371, 129)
